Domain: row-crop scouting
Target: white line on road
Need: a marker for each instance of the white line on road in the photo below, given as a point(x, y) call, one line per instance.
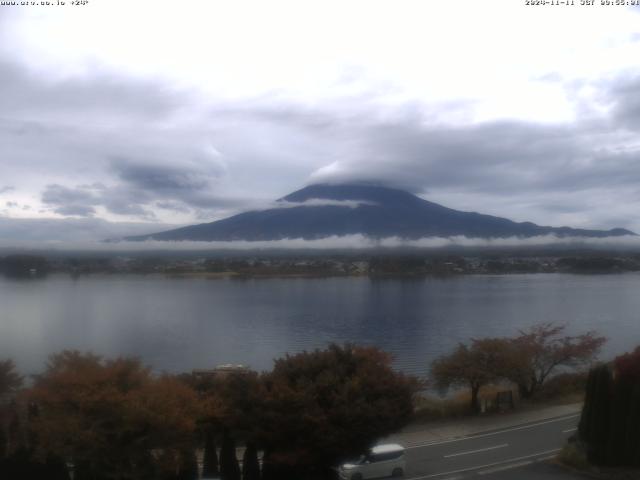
point(570, 430)
point(544, 459)
point(471, 437)
point(480, 467)
point(476, 451)
point(505, 467)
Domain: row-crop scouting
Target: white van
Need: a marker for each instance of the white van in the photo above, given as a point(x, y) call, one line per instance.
point(381, 461)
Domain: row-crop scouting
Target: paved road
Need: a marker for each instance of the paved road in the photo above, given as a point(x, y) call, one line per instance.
point(491, 454)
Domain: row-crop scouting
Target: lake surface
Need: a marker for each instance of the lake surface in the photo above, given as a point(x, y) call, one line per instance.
point(177, 324)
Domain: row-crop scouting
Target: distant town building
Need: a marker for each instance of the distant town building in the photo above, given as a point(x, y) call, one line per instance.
point(221, 371)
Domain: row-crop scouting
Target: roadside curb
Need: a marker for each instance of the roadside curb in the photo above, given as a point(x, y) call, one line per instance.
point(443, 432)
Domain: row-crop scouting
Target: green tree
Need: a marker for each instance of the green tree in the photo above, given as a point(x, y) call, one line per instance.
point(320, 406)
point(610, 421)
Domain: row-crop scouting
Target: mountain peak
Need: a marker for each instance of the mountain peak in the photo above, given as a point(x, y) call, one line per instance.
point(351, 191)
point(371, 210)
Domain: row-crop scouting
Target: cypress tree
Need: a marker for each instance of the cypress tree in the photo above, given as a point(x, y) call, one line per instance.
point(599, 429)
point(4, 441)
point(586, 418)
point(618, 417)
point(188, 465)
point(633, 439)
point(229, 468)
point(210, 461)
point(250, 464)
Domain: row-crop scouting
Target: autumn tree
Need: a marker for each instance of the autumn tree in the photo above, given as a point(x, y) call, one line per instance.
point(10, 380)
point(543, 349)
point(107, 416)
point(323, 405)
point(472, 366)
point(237, 400)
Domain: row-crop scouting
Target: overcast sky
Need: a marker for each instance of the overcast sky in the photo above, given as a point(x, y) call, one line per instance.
point(117, 116)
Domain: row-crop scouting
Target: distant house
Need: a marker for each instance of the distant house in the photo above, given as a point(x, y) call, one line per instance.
point(221, 371)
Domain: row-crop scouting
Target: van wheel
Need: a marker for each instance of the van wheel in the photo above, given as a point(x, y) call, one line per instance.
point(356, 476)
point(397, 472)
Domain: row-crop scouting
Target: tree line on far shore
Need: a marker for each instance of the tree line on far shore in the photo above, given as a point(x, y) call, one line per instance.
point(115, 419)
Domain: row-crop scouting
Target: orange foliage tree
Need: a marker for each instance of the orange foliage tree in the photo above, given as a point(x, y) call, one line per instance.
point(472, 366)
point(111, 418)
point(10, 380)
point(542, 349)
point(527, 360)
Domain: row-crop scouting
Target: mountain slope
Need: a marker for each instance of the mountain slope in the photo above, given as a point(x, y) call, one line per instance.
point(319, 211)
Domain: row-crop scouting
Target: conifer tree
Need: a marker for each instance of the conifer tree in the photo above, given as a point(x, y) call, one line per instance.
point(250, 464)
point(599, 430)
point(188, 465)
point(210, 461)
point(229, 468)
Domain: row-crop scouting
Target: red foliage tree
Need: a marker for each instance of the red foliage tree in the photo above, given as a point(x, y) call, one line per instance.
point(628, 365)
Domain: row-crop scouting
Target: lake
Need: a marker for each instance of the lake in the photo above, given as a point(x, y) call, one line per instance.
point(177, 324)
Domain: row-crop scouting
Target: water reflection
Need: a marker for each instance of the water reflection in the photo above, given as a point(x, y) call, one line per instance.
point(178, 324)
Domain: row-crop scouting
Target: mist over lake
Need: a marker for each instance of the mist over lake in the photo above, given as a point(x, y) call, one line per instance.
point(177, 324)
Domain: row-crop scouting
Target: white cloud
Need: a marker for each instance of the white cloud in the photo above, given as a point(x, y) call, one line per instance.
point(357, 242)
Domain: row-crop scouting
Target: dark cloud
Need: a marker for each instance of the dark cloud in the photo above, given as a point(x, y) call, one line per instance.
point(161, 179)
point(20, 230)
point(507, 156)
point(122, 206)
point(191, 185)
point(61, 195)
point(25, 93)
point(624, 97)
point(75, 210)
point(173, 206)
point(6, 188)
point(82, 200)
point(70, 201)
point(113, 128)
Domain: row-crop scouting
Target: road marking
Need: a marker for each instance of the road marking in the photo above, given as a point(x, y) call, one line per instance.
point(544, 459)
point(505, 467)
point(480, 467)
point(476, 451)
point(482, 435)
point(570, 430)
